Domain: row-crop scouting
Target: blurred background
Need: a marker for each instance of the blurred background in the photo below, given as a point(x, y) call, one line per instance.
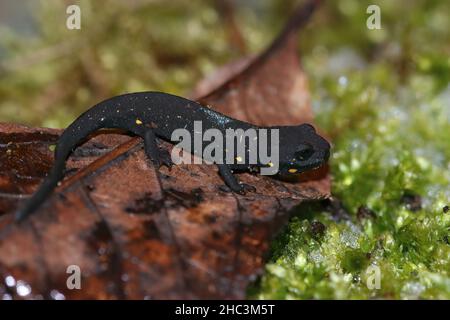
point(48, 74)
point(383, 96)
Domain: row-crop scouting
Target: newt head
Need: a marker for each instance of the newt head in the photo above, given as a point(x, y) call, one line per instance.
point(301, 149)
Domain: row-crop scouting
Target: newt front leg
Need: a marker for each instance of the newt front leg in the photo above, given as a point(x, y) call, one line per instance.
point(157, 155)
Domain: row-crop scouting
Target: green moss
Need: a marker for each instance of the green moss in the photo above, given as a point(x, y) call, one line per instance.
point(391, 154)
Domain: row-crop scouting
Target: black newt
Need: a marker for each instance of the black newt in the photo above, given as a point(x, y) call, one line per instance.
point(153, 115)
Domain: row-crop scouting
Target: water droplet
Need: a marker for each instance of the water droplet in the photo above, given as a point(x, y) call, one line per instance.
point(23, 289)
point(56, 295)
point(10, 281)
point(343, 81)
point(316, 256)
point(350, 239)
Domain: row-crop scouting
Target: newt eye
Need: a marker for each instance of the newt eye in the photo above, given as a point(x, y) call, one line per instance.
point(304, 153)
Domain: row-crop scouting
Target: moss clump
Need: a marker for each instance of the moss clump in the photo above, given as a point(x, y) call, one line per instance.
point(390, 167)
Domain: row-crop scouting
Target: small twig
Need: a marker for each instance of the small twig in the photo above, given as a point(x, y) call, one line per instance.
point(100, 162)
